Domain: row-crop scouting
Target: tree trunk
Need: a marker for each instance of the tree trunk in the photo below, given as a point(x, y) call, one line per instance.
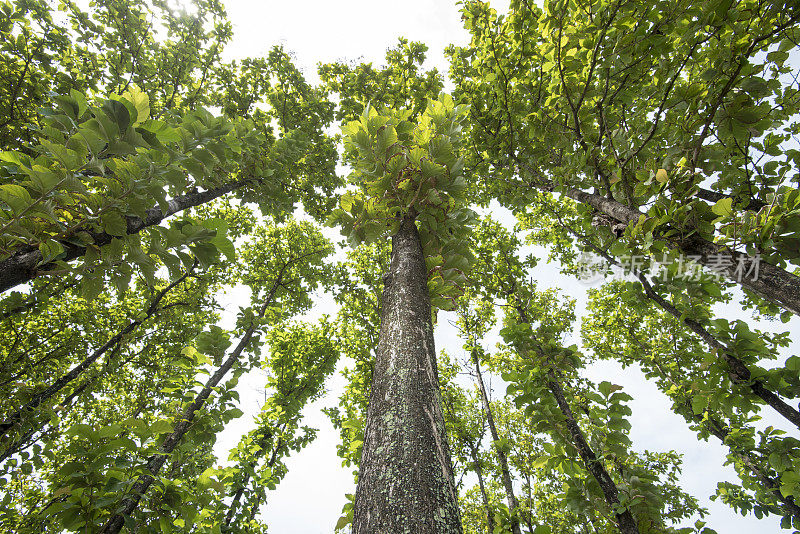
point(625, 521)
point(479, 471)
point(739, 372)
point(405, 481)
point(182, 423)
point(773, 284)
point(505, 472)
point(23, 266)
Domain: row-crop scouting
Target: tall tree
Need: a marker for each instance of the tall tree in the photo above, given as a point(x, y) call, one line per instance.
point(408, 176)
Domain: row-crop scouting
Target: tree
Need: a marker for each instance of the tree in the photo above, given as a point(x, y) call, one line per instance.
point(581, 68)
point(611, 129)
point(408, 176)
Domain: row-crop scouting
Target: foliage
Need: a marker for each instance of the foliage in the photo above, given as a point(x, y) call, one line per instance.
point(143, 178)
point(407, 171)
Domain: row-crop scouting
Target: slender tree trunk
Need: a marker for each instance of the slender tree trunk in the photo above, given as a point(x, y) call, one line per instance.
point(505, 472)
point(719, 429)
point(23, 266)
point(237, 496)
point(528, 519)
point(739, 372)
point(182, 423)
point(625, 521)
point(787, 505)
point(773, 284)
point(479, 471)
point(405, 481)
point(44, 395)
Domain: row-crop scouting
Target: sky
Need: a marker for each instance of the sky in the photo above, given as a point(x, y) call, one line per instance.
point(310, 498)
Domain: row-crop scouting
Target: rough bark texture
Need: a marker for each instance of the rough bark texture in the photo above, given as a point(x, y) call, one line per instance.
point(625, 521)
point(505, 472)
point(24, 265)
point(405, 481)
point(773, 284)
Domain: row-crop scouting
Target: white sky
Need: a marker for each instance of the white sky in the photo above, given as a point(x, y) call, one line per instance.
point(310, 498)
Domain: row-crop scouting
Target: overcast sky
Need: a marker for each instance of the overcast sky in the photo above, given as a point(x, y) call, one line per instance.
point(310, 498)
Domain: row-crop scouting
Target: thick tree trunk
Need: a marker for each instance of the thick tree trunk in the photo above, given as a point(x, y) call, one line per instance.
point(405, 481)
point(773, 284)
point(625, 521)
point(24, 265)
point(505, 472)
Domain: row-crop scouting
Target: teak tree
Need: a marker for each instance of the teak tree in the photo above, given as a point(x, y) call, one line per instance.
point(659, 129)
point(410, 188)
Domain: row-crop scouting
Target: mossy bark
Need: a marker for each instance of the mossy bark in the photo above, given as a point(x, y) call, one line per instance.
point(405, 482)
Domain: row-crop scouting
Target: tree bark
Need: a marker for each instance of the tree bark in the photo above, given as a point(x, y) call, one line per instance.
point(405, 481)
point(625, 521)
point(505, 472)
point(23, 266)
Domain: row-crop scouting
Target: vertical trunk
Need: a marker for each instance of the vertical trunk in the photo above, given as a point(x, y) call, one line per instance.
point(625, 521)
point(505, 473)
point(481, 485)
point(405, 481)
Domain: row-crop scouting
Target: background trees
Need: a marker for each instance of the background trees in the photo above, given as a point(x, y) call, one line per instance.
point(142, 175)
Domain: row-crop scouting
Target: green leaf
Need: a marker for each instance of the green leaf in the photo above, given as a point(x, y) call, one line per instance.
point(114, 223)
point(699, 404)
point(723, 207)
point(140, 101)
point(15, 196)
point(118, 113)
point(50, 250)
